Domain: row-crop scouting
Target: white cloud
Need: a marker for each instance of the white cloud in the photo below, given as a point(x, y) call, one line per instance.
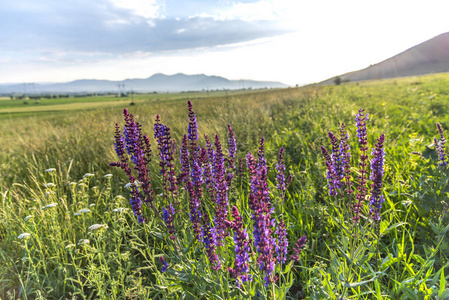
point(148, 9)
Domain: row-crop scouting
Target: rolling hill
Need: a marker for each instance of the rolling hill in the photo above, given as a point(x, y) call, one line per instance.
point(431, 56)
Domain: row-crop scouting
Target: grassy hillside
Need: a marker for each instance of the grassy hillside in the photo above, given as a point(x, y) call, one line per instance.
point(400, 257)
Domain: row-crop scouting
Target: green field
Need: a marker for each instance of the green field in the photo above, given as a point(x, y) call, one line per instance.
point(403, 256)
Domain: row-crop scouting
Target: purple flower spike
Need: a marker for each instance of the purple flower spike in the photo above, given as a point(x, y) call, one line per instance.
point(193, 127)
point(440, 145)
point(346, 158)
point(232, 147)
point(377, 172)
point(242, 249)
point(209, 235)
point(165, 147)
point(185, 167)
point(168, 215)
point(282, 243)
point(136, 145)
point(164, 264)
point(331, 176)
point(221, 191)
point(280, 168)
point(337, 161)
point(300, 244)
point(195, 210)
point(363, 142)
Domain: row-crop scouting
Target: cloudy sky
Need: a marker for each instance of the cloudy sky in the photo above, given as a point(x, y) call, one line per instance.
point(292, 41)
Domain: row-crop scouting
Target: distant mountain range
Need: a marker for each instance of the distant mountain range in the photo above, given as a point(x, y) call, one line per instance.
point(155, 83)
point(432, 56)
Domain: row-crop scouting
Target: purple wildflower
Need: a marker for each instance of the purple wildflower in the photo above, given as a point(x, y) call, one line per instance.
point(168, 216)
point(242, 249)
point(440, 145)
point(209, 235)
point(331, 176)
point(195, 210)
point(193, 127)
point(281, 243)
point(298, 247)
point(137, 146)
point(259, 202)
point(377, 172)
point(337, 162)
point(165, 147)
point(232, 147)
point(185, 167)
point(280, 167)
point(346, 158)
point(363, 142)
point(164, 264)
point(241, 169)
point(221, 189)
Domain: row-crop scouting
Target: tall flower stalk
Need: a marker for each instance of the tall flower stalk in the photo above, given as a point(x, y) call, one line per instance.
point(360, 120)
point(440, 145)
point(377, 172)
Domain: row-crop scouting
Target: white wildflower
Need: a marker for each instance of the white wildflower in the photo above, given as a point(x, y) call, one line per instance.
point(28, 217)
point(88, 175)
point(128, 185)
point(70, 246)
point(77, 214)
point(49, 193)
point(50, 184)
point(120, 209)
point(72, 183)
point(50, 170)
point(107, 176)
point(81, 180)
point(24, 236)
point(83, 242)
point(98, 226)
point(84, 210)
point(49, 206)
point(92, 205)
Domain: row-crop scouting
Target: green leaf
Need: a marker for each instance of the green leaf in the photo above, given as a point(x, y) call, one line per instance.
point(356, 284)
point(383, 232)
point(411, 294)
point(442, 285)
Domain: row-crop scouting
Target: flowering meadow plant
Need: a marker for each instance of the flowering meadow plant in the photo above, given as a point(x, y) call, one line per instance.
point(246, 251)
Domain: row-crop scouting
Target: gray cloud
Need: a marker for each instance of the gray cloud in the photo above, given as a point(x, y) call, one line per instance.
point(39, 28)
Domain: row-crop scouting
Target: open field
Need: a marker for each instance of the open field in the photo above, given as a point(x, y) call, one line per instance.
point(401, 256)
point(20, 107)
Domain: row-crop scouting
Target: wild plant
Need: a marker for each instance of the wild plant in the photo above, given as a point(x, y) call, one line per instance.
point(355, 264)
point(217, 242)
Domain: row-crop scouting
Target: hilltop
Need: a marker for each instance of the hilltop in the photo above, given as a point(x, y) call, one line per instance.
point(431, 56)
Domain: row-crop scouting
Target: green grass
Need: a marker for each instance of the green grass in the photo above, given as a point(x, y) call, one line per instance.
point(121, 261)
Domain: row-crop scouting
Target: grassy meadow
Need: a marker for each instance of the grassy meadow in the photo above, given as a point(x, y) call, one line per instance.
point(56, 183)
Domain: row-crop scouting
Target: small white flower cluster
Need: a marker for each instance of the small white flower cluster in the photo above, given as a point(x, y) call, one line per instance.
point(49, 206)
point(50, 170)
point(24, 236)
point(98, 226)
point(120, 209)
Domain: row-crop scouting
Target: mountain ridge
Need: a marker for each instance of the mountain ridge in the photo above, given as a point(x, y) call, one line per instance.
point(158, 82)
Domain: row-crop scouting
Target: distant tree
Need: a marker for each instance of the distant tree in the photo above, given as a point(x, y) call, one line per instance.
point(337, 80)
